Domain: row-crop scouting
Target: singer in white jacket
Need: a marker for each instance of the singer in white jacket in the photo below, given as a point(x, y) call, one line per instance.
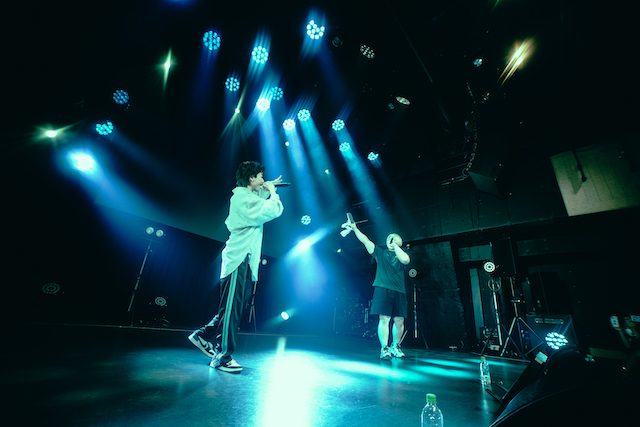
point(254, 202)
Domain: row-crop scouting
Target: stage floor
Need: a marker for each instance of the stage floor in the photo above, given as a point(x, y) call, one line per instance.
point(68, 375)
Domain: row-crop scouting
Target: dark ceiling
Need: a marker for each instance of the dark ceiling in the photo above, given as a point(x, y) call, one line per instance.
point(62, 61)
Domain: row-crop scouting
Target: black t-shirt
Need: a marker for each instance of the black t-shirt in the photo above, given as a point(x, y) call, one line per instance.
point(389, 270)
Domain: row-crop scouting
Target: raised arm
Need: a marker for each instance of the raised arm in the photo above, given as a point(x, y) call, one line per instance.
point(368, 244)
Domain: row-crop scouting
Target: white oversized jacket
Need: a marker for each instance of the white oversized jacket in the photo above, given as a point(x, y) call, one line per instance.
point(248, 211)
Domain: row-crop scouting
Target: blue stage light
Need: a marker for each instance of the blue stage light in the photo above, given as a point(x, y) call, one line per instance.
point(304, 245)
point(289, 124)
point(263, 104)
point(314, 31)
point(556, 340)
point(284, 315)
point(260, 54)
point(83, 162)
point(211, 40)
point(304, 115)
point(338, 124)
point(305, 220)
point(276, 93)
point(232, 84)
point(345, 147)
point(121, 97)
point(104, 128)
point(372, 156)
point(367, 52)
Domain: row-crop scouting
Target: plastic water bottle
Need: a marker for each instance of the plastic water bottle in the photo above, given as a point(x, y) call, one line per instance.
point(485, 376)
point(431, 414)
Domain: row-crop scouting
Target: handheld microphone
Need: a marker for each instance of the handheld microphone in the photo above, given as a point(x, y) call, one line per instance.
point(282, 184)
point(345, 232)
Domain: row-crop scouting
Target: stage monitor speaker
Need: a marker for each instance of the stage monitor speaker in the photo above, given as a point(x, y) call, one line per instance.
point(487, 171)
point(503, 257)
point(570, 390)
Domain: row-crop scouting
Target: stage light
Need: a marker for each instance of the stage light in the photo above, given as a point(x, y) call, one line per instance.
point(477, 62)
point(304, 245)
point(284, 315)
point(289, 124)
point(372, 156)
point(150, 230)
point(232, 84)
point(413, 273)
point(304, 115)
point(314, 31)
point(336, 42)
point(51, 288)
point(556, 340)
point(286, 143)
point(83, 162)
point(161, 301)
point(338, 124)
point(51, 133)
point(489, 267)
point(276, 93)
point(211, 40)
point(367, 52)
point(345, 147)
point(263, 104)
point(260, 54)
point(305, 220)
point(402, 100)
point(121, 97)
point(327, 171)
point(104, 128)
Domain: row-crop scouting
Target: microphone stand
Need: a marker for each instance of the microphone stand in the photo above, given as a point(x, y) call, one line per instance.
point(135, 288)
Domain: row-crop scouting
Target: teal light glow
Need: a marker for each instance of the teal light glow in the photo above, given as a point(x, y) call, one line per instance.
point(276, 93)
point(304, 115)
point(121, 97)
point(289, 124)
point(260, 54)
point(83, 162)
point(263, 104)
point(211, 40)
point(447, 372)
point(315, 31)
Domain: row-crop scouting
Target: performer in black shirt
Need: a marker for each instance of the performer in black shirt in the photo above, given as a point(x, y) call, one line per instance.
point(389, 295)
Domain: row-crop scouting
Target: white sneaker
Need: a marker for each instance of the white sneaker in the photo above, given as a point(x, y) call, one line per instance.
point(396, 351)
point(385, 354)
point(230, 366)
point(205, 346)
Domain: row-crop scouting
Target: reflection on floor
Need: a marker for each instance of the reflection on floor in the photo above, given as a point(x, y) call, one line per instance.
point(114, 376)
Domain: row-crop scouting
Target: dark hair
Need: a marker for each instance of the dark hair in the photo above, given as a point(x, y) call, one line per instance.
point(246, 170)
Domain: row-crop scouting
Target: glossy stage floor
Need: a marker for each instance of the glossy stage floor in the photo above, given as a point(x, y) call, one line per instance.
point(116, 376)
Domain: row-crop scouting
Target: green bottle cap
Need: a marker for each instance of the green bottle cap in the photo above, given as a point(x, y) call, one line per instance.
point(431, 398)
point(483, 358)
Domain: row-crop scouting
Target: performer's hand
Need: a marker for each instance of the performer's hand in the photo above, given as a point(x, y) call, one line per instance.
point(270, 186)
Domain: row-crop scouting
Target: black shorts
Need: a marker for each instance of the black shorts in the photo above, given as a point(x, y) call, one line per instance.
point(388, 303)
